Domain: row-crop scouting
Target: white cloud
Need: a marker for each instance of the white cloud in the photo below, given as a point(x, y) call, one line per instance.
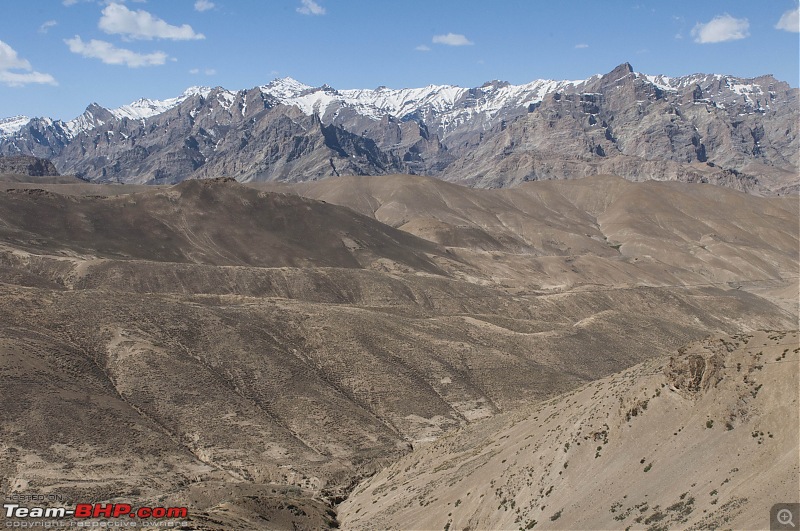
point(9, 61)
point(194, 71)
point(69, 2)
point(203, 5)
point(581, 46)
point(721, 28)
point(310, 7)
point(44, 28)
point(452, 39)
point(207, 71)
point(790, 21)
point(111, 55)
point(423, 48)
point(118, 19)
point(20, 79)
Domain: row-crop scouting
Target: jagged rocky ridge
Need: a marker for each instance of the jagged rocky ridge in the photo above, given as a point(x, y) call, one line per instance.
point(725, 130)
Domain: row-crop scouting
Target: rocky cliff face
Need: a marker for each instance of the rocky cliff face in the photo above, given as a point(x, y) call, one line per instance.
point(706, 128)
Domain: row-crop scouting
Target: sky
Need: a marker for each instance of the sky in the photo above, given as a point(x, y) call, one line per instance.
point(58, 56)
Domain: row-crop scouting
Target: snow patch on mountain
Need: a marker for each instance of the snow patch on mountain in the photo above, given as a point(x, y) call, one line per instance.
point(9, 126)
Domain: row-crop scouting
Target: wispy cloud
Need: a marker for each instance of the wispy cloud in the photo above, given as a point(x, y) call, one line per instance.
point(111, 55)
point(310, 7)
point(207, 71)
point(581, 46)
point(452, 39)
point(721, 28)
point(423, 48)
point(790, 21)
point(44, 28)
point(119, 20)
point(203, 5)
point(680, 23)
point(17, 72)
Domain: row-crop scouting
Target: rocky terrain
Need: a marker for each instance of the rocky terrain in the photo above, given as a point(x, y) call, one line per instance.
point(739, 133)
point(703, 439)
point(254, 351)
point(26, 166)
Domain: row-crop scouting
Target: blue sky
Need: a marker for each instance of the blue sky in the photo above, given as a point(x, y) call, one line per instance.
point(57, 56)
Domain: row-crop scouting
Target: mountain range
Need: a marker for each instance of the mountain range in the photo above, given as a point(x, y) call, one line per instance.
point(741, 133)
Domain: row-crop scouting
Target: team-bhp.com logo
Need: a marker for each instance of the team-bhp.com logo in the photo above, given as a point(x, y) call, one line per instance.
point(90, 511)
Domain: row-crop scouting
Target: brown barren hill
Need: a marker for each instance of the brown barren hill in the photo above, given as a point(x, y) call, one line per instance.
point(216, 222)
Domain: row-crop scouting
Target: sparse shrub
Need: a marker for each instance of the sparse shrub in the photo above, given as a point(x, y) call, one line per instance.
point(709, 423)
point(648, 467)
point(556, 516)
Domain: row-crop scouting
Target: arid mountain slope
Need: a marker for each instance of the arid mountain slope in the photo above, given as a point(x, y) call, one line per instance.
point(705, 438)
point(254, 354)
point(596, 231)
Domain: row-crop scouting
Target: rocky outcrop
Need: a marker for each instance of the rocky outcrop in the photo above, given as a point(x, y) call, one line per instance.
point(27, 165)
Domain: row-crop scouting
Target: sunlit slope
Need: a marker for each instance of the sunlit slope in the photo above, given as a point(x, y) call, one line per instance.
point(704, 438)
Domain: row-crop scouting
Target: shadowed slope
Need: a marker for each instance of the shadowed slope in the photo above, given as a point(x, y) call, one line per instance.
point(210, 222)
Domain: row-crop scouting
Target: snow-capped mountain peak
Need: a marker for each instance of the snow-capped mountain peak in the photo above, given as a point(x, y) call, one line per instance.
point(284, 87)
point(145, 108)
